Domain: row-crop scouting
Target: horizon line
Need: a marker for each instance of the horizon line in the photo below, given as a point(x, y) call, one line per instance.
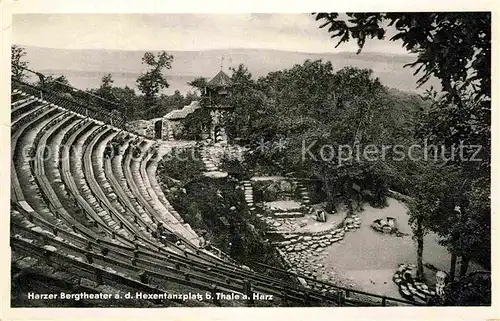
point(221, 49)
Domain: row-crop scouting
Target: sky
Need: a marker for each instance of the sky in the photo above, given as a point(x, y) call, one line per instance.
point(190, 32)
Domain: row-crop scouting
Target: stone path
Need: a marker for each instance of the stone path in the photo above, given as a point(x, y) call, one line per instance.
point(248, 191)
point(208, 158)
point(304, 252)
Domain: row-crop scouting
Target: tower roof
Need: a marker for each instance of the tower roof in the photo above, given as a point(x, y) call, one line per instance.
point(220, 80)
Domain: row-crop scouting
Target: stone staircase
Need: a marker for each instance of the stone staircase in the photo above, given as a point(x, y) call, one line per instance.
point(212, 170)
point(207, 161)
point(248, 191)
point(304, 195)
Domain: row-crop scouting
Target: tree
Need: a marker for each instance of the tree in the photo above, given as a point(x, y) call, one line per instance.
point(58, 84)
point(177, 99)
point(130, 103)
point(190, 97)
point(454, 47)
point(17, 62)
point(467, 231)
point(432, 191)
point(106, 89)
point(151, 82)
point(105, 94)
point(199, 83)
point(196, 123)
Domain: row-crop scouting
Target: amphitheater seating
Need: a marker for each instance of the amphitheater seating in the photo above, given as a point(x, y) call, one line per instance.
point(71, 205)
point(20, 100)
point(83, 184)
point(152, 203)
point(95, 175)
point(151, 166)
point(129, 205)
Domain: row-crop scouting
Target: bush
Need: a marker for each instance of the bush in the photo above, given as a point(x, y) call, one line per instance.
point(218, 207)
point(181, 164)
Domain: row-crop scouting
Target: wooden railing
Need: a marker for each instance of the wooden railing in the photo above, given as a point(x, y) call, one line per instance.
point(71, 98)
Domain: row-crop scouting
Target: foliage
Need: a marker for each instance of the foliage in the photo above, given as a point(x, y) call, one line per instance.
point(476, 232)
point(181, 164)
point(132, 105)
point(432, 189)
point(17, 62)
point(473, 290)
point(106, 89)
point(466, 233)
point(318, 107)
point(129, 102)
point(177, 100)
point(455, 47)
point(234, 166)
point(125, 99)
point(199, 83)
point(152, 81)
point(248, 103)
point(57, 84)
point(195, 124)
point(205, 203)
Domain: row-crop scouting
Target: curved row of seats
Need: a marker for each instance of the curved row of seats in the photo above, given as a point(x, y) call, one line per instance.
point(135, 167)
point(111, 219)
point(99, 213)
point(41, 138)
point(151, 164)
point(114, 181)
point(93, 158)
point(95, 176)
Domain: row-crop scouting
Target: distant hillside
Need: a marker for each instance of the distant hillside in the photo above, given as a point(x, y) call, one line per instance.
point(84, 68)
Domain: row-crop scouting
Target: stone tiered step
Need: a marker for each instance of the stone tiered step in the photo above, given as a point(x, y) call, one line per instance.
point(304, 195)
point(215, 174)
point(248, 192)
point(29, 99)
point(207, 161)
point(288, 214)
point(210, 167)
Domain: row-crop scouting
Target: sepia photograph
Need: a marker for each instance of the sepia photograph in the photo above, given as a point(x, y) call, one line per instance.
point(315, 159)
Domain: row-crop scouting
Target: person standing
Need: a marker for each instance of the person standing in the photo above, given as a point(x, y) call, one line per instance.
point(160, 230)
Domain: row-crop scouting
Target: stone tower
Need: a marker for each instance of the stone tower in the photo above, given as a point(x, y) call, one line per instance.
point(216, 97)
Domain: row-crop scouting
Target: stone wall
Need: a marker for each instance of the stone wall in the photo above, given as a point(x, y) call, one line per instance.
point(147, 127)
point(171, 123)
point(142, 127)
point(171, 129)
